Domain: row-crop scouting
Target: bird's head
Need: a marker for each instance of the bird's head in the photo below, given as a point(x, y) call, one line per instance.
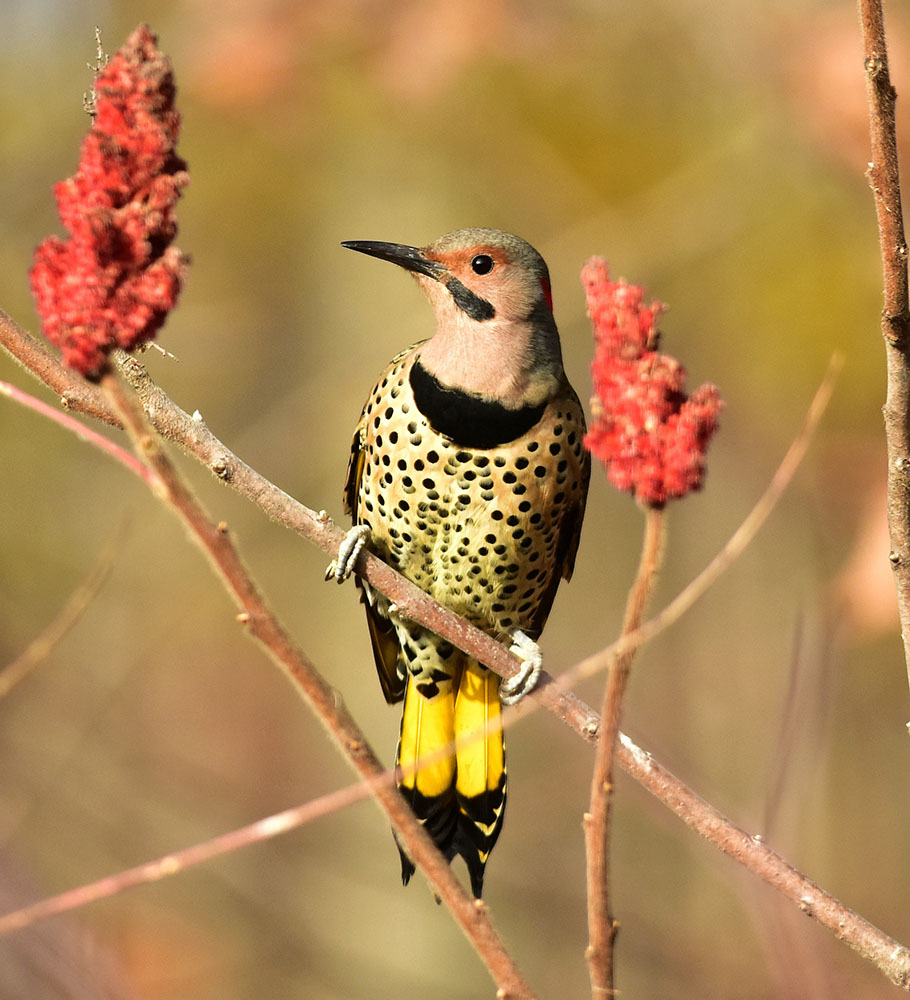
point(495, 333)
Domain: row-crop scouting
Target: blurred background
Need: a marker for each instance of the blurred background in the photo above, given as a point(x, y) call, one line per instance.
point(714, 153)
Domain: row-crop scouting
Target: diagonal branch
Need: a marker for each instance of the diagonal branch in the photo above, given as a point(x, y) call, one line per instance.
point(179, 861)
point(78, 602)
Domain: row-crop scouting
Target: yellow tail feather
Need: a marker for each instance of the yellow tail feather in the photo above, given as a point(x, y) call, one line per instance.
point(427, 725)
point(460, 798)
point(478, 732)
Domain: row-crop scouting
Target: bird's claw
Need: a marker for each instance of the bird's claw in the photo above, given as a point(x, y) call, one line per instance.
point(514, 688)
point(342, 565)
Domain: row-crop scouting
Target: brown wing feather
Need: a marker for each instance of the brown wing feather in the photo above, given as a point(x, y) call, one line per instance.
point(571, 532)
point(385, 653)
point(354, 473)
point(382, 632)
point(566, 547)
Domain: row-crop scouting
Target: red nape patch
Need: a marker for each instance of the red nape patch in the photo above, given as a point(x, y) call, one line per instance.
point(548, 294)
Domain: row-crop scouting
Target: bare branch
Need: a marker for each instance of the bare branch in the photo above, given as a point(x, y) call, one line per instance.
point(81, 431)
point(40, 648)
point(602, 927)
point(179, 861)
point(884, 178)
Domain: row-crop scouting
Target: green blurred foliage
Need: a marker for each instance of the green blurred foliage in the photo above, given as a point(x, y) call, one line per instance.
point(715, 154)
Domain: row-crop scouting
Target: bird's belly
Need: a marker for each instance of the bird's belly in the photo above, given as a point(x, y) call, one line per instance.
point(479, 550)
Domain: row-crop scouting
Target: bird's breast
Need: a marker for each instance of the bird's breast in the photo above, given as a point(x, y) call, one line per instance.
point(475, 525)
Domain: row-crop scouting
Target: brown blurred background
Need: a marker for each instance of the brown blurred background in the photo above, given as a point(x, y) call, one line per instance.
point(714, 153)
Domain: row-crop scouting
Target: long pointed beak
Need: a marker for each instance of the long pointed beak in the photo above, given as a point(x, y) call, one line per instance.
point(410, 258)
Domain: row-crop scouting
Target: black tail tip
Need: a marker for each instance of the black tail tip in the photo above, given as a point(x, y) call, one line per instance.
point(407, 867)
point(475, 873)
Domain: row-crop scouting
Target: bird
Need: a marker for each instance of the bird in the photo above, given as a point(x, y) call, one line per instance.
point(469, 476)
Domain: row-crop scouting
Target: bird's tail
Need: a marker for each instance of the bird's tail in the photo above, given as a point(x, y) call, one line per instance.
point(459, 796)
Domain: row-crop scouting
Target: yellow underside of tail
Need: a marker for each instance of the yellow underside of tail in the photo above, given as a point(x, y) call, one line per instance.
point(467, 723)
point(478, 732)
point(427, 726)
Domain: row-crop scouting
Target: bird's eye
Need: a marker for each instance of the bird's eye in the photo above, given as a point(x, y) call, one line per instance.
point(482, 264)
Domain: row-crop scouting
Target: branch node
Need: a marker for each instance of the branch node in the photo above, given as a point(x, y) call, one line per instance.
point(874, 65)
point(895, 559)
point(222, 468)
point(244, 617)
point(396, 613)
point(896, 327)
point(222, 527)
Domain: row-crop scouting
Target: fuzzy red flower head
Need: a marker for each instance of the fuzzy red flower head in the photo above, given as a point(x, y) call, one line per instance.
point(114, 280)
point(651, 437)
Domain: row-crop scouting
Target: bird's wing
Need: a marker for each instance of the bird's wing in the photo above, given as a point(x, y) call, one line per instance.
point(569, 535)
point(382, 631)
point(571, 526)
point(355, 471)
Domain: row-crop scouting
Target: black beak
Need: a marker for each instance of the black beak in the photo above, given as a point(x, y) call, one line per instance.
point(410, 258)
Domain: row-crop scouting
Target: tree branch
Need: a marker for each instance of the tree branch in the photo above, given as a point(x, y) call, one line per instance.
point(602, 927)
point(884, 178)
point(41, 647)
point(179, 861)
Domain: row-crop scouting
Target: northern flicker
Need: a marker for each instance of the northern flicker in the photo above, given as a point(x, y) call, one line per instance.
point(468, 475)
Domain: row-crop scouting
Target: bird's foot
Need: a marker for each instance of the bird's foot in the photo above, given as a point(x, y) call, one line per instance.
point(341, 566)
point(514, 688)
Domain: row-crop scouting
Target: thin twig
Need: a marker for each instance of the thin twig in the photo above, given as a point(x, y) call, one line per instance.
point(82, 432)
point(40, 648)
point(602, 927)
point(179, 861)
point(325, 701)
point(884, 178)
